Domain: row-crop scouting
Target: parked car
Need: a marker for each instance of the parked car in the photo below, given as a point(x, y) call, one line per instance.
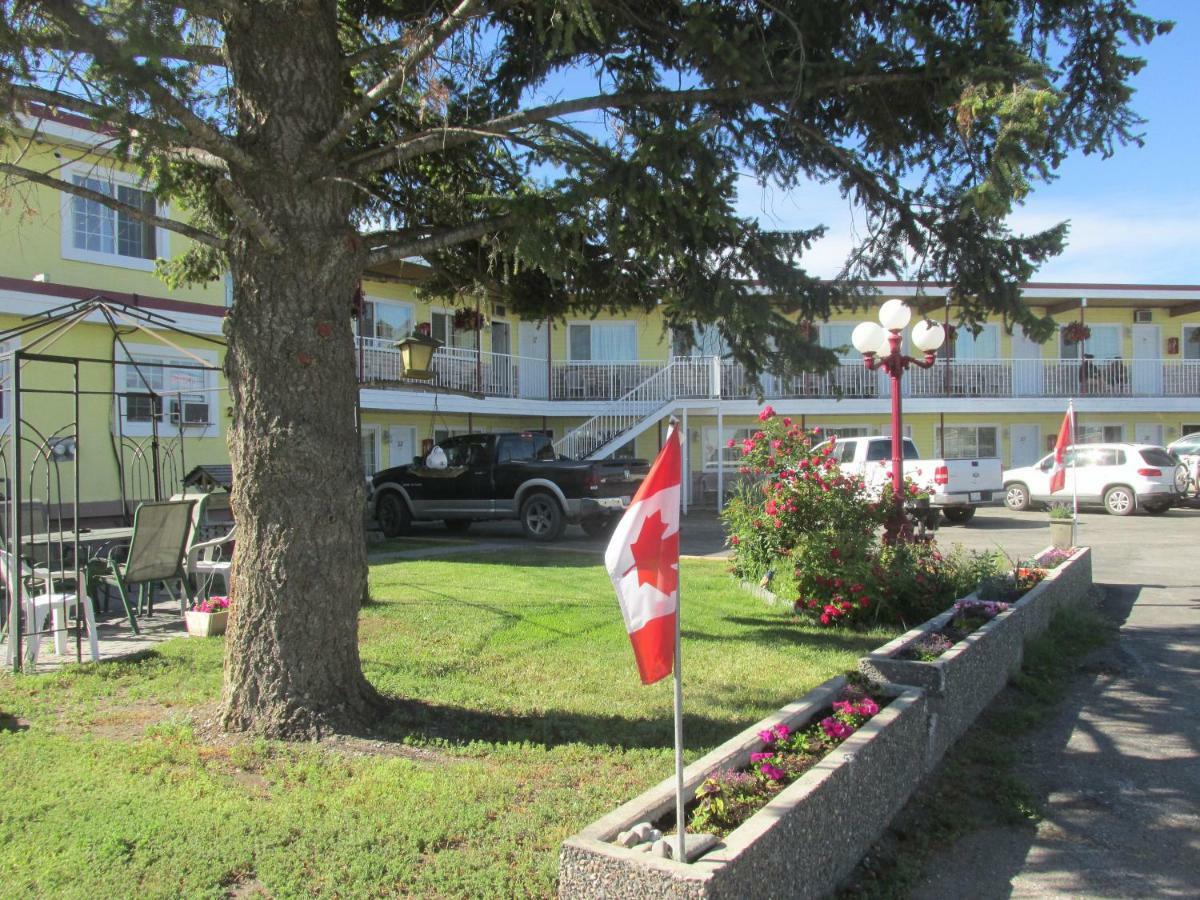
point(1122, 478)
point(1187, 448)
point(505, 476)
point(957, 487)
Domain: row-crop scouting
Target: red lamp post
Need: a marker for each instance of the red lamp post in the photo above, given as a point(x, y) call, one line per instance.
point(880, 347)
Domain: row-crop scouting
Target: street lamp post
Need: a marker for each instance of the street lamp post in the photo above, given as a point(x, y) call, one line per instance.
point(880, 347)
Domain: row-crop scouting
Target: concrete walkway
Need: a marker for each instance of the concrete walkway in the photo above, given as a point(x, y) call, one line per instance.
point(1119, 767)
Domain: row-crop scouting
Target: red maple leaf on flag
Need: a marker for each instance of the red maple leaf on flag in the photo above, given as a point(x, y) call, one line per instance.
point(655, 557)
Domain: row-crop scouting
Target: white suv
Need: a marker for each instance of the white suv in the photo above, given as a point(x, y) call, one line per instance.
point(1121, 477)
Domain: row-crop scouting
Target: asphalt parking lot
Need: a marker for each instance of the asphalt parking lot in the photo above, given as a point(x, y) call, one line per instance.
point(1118, 540)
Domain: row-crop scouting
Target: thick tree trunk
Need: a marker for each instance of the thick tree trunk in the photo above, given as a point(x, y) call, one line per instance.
point(292, 667)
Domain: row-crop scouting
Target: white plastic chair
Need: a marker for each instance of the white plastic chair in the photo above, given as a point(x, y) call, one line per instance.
point(42, 606)
point(207, 560)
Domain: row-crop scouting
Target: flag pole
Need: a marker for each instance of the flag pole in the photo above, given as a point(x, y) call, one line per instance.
point(1074, 480)
point(680, 819)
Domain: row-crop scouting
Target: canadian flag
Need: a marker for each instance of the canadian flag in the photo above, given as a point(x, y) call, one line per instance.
point(643, 562)
point(1058, 473)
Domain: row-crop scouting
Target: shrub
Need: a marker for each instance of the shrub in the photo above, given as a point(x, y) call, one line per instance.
point(812, 532)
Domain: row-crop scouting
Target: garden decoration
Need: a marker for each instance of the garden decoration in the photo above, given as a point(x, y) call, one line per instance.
point(208, 617)
point(1075, 333)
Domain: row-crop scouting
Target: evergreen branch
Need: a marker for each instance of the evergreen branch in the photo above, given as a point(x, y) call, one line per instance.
point(248, 216)
point(95, 40)
point(78, 190)
point(450, 25)
point(198, 54)
point(439, 240)
point(172, 142)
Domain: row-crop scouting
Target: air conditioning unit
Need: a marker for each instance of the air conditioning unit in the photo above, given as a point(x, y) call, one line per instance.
point(1143, 316)
point(195, 412)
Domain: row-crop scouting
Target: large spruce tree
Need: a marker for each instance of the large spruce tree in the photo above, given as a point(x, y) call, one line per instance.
point(572, 155)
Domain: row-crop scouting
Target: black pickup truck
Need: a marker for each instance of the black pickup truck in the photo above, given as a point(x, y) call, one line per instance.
point(506, 476)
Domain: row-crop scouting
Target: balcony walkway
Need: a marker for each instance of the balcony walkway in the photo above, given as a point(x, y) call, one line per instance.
point(517, 377)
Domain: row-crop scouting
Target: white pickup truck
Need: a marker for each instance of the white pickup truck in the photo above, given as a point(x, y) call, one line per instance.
point(955, 486)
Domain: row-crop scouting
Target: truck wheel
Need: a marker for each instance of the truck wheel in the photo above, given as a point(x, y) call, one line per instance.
point(598, 526)
point(457, 526)
point(392, 515)
point(1016, 497)
point(959, 515)
point(541, 517)
point(1120, 501)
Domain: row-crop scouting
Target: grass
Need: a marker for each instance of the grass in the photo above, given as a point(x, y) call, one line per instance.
point(976, 787)
point(527, 721)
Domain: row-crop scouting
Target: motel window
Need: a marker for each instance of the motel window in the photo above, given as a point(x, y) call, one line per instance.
point(93, 232)
point(1101, 434)
point(969, 441)
point(602, 342)
point(165, 392)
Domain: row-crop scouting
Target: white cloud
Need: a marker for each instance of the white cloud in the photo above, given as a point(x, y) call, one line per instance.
point(1119, 239)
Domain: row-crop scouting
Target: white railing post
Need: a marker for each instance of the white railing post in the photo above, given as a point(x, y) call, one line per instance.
point(714, 375)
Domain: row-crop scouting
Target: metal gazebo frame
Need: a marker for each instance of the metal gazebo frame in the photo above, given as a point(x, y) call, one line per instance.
point(32, 456)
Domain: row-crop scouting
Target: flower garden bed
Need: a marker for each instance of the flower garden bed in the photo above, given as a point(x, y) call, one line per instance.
point(964, 678)
point(805, 839)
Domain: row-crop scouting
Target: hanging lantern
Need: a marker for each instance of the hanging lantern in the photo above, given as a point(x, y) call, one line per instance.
point(416, 355)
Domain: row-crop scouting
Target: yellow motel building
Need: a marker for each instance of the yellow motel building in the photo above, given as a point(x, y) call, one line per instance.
point(153, 401)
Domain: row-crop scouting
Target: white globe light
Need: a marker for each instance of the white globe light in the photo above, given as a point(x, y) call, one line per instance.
point(928, 336)
point(894, 315)
point(885, 343)
point(866, 337)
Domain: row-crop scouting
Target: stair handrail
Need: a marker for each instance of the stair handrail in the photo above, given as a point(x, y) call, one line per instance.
point(651, 393)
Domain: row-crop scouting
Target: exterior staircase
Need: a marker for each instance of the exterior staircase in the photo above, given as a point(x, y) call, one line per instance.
point(683, 378)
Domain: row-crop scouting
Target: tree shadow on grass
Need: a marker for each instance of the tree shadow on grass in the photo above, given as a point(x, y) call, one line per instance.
point(409, 719)
point(775, 632)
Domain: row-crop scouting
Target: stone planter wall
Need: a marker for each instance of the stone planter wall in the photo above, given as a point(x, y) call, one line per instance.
point(964, 679)
point(810, 836)
point(801, 844)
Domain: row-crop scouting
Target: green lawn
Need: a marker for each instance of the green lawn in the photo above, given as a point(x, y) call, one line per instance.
point(527, 721)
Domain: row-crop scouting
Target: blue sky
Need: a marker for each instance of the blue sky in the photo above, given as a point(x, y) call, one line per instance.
point(1135, 217)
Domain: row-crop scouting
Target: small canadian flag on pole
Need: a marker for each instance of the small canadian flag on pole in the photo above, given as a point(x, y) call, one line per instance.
point(643, 562)
point(1058, 472)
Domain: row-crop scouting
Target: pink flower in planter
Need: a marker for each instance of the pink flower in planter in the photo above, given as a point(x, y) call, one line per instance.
point(767, 736)
point(772, 773)
point(782, 732)
point(759, 757)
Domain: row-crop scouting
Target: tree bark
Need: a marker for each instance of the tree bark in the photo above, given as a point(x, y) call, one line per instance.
point(292, 667)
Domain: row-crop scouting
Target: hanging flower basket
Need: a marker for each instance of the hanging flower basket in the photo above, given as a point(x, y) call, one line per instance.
point(469, 320)
point(1075, 333)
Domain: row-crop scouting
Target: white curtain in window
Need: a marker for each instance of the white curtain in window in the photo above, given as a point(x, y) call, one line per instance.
point(1191, 342)
point(835, 336)
point(614, 343)
point(985, 345)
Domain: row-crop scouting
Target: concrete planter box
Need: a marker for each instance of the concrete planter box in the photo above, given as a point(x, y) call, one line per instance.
point(801, 844)
point(964, 679)
point(1062, 533)
point(202, 624)
point(1066, 587)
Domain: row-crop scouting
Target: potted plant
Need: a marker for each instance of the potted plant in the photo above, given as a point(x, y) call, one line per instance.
point(1062, 526)
point(1075, 333)
point(208, 617)
point(469, 320)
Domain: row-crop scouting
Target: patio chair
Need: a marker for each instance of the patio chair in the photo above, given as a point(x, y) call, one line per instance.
point(209, 560)
point(155, 556)
point(39, 605)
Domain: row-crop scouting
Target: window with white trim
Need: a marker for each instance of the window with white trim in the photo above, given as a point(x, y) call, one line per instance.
point(602, 342)
point(1100, 434)
point(842, 431)
point(982, 346)
point(1191, 342)
point(370, 449)
point(386, 320)
point(160, 389)
point(1103, 343)
point(714, 449)
point(93, 232)
point(969, 441)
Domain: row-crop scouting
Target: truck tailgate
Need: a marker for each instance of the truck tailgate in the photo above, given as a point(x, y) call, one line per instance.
point(973, 476)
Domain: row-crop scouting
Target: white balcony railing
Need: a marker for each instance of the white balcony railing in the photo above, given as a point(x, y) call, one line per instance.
point(507, 375)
